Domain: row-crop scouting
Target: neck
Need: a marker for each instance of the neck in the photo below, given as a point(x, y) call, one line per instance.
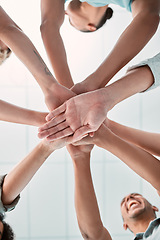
point(141, 226)
point(94, 12)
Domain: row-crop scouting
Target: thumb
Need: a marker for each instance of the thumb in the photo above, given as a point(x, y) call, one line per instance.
point(81, 133)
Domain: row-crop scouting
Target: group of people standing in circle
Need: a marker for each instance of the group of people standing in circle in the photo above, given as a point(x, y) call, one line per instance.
point(77, 113)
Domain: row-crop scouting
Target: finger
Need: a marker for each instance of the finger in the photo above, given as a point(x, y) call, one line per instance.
point(81, 132)
point(84, 141)
point(53, 122)
point(56, 112)
point(69, 140)
point(64, 133)
point(53, 130)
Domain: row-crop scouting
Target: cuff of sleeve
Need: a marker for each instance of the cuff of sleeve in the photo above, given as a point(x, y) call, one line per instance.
point(12, 206)
point(9, 207)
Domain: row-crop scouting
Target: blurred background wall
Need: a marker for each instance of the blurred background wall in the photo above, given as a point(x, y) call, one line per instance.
point(46, 209)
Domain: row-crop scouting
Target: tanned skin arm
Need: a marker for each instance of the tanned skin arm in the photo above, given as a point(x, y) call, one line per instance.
point(138, 33)
point(15, 39)
point(52, 14)
point(86, 205)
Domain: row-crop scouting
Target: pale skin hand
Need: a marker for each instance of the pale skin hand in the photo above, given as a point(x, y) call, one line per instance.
point(148, 21)
point(73, 114)
point(94, 106)
point(15, 39)
point(57, 95)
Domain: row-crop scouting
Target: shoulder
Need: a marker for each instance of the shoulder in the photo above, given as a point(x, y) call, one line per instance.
point(145, 5)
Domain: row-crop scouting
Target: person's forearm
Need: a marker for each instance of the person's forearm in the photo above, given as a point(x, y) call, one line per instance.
point(15, 114)
point(148, 141)
point(20, 44)
point(87, 210)
point(56, 52)
point(130, 43)
point(20, 176)
point(140, 161)
point(98, 103)
point(135, 81)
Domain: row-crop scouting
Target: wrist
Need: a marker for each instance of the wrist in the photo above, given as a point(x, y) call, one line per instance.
point(45, 148)
point(39, 118)
point(81, 156)
point(81, 161)
point(111, 95)
point(106, 99)
point(95, 81)
point(103, 137)
point(49, 87)
point(113, 126)
point(91, 83)
point(101, 77)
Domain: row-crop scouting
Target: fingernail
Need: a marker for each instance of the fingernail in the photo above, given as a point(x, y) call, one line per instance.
point(85, 135)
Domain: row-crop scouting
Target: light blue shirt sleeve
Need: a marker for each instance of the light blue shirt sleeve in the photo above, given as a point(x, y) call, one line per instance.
point(100, 3)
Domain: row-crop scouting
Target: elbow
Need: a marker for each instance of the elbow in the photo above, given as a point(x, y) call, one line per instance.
point(152, 19)
point(89, 237)
point(7, 30)
point(49, 26)
point(43, 28)
point(149, 18)
point(92, 234)
point(48, 29)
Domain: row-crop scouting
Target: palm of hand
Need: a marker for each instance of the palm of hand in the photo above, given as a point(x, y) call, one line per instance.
point(79, 115)
point(84, 115)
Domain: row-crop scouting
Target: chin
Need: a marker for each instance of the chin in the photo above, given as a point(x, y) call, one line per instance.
point(137, 213)
point(74, 5)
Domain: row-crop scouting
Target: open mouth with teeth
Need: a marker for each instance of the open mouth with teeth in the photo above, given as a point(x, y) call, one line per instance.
point(132, 204)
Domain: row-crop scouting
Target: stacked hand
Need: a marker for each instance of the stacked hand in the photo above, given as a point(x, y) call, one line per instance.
point(57, 95)
point(79, 116)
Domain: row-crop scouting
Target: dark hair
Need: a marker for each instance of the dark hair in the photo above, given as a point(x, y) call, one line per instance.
point(107, 15)
point(4, 54)
point(8, 233)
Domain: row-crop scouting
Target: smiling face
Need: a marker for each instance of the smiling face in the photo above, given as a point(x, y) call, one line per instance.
point(135, 207)
point(132, 205)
